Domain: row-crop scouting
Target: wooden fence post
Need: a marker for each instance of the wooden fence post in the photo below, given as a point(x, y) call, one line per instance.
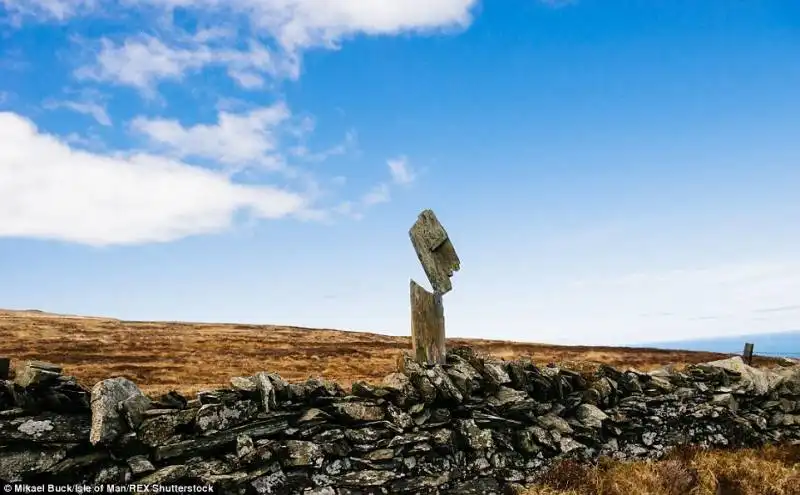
point(5, 367)
point(439, 260)
point(747, 354)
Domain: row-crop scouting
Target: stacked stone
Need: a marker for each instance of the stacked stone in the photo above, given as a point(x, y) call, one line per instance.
point(474, 425)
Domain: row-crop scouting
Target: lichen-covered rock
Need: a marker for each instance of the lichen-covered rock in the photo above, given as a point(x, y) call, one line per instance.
point(359, 411)
point(476, 438)
point(244, 384)
point(212, 418)
point(273, 483)
point(16, 465)
point(156, 430)
point(752, 380)
point(590, 415)
point(297, 453)
point(265, 384)
point(165, 475)
point(45, 428)
point(140, 465)
point(107, 422)
point(401, 388)
point(444, 385)
point(133, 409)
point(36, 373)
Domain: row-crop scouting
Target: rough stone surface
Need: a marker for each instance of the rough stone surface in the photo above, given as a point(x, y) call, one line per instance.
point(473, 425)
point(107, 395)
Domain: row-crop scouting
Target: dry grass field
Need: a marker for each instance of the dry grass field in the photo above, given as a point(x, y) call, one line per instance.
point(187, 357)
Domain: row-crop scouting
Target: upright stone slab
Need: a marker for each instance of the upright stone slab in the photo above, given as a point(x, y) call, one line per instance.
point(427, 326)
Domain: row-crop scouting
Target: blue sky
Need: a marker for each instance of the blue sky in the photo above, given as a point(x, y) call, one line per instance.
point(609, 172)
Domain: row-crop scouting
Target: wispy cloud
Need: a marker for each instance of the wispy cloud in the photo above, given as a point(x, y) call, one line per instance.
point(144, 61)
point(779, 309)
point(94, 110)
point(400, 170)
point(379, 194)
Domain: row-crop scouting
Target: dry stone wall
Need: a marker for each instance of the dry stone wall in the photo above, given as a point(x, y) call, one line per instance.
point(474, 425)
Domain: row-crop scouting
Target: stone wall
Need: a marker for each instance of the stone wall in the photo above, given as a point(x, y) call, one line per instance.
point(475, 425)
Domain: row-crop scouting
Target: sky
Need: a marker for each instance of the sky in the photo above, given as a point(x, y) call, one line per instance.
point(608, 172)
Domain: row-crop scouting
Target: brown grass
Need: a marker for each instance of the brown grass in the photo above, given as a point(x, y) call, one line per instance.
point(773, 470)
point(187, 357)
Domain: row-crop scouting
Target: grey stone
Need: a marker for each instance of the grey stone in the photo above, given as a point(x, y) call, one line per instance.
point(590, 415)
point(107, 423)
point(31, 375)
point(133, 409)
point(301, 453)
point(157, 430)
point(245, 384)
point(359, 411)
point(140, 465)
point(366, 478)
point(267, 389)
point(212, 418)
point(168, 474)
point(273, 483)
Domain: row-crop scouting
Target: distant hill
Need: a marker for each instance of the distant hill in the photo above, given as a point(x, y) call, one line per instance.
point(773, 344)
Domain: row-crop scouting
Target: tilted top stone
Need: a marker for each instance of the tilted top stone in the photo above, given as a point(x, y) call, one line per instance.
point(435, 251)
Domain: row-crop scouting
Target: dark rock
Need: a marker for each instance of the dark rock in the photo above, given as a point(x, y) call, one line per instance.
point(165, 475)
point(366, 478)
point(367, 391)
point(194, 446)
point(17, 465)
point(46, 428)
point(171, 400)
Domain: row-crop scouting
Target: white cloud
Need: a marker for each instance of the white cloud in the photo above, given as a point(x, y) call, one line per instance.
point(236, 140)
point(400, 170)
point(59, 10)
point(298, 24)
point(378, 194)
point(50, 191)
point(94, 110)
point(143, 61)
point(275, 34)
